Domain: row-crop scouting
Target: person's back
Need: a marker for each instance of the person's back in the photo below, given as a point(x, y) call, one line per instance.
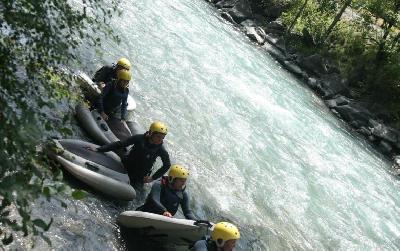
point(113, 100)
point(108, 73)
point(166, 195)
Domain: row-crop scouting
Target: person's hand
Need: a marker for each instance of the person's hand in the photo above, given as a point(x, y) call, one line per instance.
point(104, 116)
point(147, 179)
point(101, 85)
point(167, 214)
point(92, 148)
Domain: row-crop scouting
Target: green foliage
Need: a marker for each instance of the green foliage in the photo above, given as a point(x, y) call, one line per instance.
point(314, 19)
point(78, 194)
point(365, 45)
point(38, 40)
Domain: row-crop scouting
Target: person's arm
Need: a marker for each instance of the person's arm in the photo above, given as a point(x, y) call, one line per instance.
point(119, 144)
point(155, 196)
point(185, 207)
point(124, 106)
point(100, 100)
point(166, 164)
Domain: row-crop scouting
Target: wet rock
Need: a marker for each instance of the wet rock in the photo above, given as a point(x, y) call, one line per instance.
point(260, 19)
point(365, 131)
point(332, 85)
point(275, 53)
point(275, 27)
point(385, 147)
point(227, 17)
point(338, 100)
point(241, 12)
point(383, 132)
point(256, 34)
point(248, 23)
point(314, 64)
point(293, 68)
point(357, 116)
point(313, 83)
point(226, 4)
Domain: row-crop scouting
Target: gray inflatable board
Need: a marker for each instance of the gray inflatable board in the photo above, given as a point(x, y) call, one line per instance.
point(92, 91)
point(101, 171)
point(104, 127)
point(87, 121)
point(162, 228)
point(120, 129)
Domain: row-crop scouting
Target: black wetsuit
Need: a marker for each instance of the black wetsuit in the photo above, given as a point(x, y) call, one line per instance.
point(204, 245)
point(162, 198)
point(139, 162)
point(105, 74)
point(112, 98)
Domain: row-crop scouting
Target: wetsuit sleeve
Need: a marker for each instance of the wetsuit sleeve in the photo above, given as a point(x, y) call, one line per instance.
point(199, 246)
point(124, 106)
point(185, 207)
point(100, 100)
point(166, 164)
point(155, 196)
point(119, 144)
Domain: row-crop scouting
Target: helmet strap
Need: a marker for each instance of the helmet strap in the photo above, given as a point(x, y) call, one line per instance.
point(220, 243)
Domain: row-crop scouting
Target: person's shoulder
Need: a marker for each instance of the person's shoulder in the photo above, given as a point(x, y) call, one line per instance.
point(200, 245)
point(156, 183)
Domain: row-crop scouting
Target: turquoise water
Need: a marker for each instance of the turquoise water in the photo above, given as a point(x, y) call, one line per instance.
point(264, 152)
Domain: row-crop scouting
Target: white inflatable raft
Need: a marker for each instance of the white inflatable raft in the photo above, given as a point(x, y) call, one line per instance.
point(164, 229)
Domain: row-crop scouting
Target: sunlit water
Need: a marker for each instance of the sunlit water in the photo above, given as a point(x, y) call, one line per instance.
point(264, 152)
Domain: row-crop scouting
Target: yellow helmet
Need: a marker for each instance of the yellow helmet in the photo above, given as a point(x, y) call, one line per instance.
point(159, 127)
point(124, 75)
point(177, 171)
point(124, 62)
point(224, 231)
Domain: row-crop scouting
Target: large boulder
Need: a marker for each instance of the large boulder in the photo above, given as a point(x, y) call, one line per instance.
point(227, 17)
point(226, 3)
point(256, 34)
point(383, 132)
point(293, 68)
point(275, 53)
point(355, 115)
point(314, 64)
point(239, 10)
point(332, 85)
point(338, 100)
point(275, 27)
point(248, 23)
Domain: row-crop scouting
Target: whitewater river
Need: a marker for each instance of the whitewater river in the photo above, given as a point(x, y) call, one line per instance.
point(264, 152)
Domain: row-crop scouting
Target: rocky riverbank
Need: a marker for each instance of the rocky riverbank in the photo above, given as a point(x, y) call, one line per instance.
point(315, 71)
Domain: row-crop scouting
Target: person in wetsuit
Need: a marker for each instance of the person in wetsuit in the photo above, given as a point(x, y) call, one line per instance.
point(108, 73)
point(223, 238)
point(144, 152)
point(113, 101)
point(167, 194)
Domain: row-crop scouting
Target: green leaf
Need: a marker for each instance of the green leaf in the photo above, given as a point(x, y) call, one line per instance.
point(46, 192)
point(63, 204)
point(66, 131)
point(40, 223)
point(78, 194)
point(7, 240)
